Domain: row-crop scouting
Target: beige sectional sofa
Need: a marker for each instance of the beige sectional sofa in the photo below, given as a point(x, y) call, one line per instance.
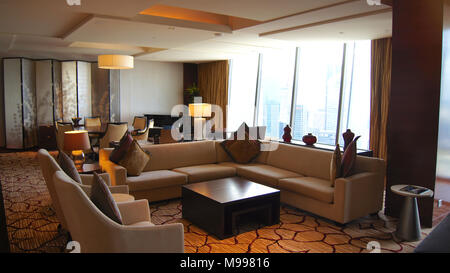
point(301, 173)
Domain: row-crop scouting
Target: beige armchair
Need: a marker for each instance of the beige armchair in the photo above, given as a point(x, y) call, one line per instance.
point(141, 134)
point(49, 166)
point(114, 132)
point(95, 232)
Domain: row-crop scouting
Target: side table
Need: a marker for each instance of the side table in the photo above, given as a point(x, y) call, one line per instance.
point(90, 168)
point(408, 227)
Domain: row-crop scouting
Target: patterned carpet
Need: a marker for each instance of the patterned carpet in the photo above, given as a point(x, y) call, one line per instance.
point(32, 224)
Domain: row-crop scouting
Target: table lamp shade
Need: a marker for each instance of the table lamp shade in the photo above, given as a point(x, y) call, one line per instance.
point(200, 110)
point(76, 140)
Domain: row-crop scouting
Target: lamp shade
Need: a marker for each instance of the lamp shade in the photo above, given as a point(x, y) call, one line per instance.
point(200, 110)
point(115, 61)
point(76, 140)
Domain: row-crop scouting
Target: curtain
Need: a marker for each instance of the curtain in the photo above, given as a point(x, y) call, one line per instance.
point(380, 95)
point(213, 85)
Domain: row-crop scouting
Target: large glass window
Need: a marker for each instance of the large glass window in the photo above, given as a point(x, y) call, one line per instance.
point(321, 88)
point(241, 106)
point(356, 94)
point(275, 96)
point(318, 88)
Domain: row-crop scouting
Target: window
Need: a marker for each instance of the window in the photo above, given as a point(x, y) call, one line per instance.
point(274, 105)
point(321, 88)
point(318, 90)
point(241, 105)
point(356, 95)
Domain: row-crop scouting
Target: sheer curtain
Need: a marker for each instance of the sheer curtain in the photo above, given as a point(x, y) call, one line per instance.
point(213, 85)
point(380, 95)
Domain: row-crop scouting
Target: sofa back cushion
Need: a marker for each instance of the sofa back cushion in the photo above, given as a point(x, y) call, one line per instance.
point(222, 156)
point(303, 160)
point(177, 155)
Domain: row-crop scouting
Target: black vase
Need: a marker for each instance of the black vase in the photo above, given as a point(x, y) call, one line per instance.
point(348, 137)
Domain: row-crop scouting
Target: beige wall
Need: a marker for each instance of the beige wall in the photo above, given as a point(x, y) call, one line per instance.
point(150, 88)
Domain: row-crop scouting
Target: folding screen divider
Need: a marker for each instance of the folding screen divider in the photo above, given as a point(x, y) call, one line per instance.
point(38, 93)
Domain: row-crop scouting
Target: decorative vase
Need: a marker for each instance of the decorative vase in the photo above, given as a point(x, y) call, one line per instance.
point(348, 137)
point(309, 139)
point(287, 137)
point(76, 121)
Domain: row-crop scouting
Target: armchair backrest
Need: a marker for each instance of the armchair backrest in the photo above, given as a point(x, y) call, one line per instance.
point(61, 128)
point(48, 167)
point(139, 123)
point(92, 121)
point(114, 132)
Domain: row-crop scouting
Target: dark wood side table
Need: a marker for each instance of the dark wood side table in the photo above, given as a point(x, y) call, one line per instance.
point(89, 168)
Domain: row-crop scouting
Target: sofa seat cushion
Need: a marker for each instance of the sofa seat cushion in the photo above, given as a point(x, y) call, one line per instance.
point(155, 179)
point(206, 172)
point(265, 174)
point(315, 188)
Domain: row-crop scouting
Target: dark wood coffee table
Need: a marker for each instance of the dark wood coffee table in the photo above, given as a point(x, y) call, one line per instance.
point(215, 205)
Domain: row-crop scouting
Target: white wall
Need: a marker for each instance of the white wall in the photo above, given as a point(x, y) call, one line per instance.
point(150, 88)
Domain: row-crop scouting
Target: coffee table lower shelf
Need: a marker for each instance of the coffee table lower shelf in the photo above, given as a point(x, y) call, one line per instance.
point(220, 219)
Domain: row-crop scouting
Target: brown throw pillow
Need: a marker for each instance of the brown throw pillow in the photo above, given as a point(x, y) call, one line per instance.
point(135, 160)
point(349, 158)
point(242, 151)
point(336, 162)
point(102, 198)
point(68, 166)
point(124, 144)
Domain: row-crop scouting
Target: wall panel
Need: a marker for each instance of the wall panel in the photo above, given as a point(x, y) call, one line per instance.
point(29, 103)
point(69, 90)
point(84, 89)
point(13, 103)
point(44, 92)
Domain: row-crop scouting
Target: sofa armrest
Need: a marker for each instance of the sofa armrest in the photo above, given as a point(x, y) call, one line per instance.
point(168, 238)
point(359, 194)
point(134, 211)
point(86, 179)
point(117, 173)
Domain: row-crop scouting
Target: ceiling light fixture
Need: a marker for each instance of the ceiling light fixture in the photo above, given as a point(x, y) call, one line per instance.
point(115, 61)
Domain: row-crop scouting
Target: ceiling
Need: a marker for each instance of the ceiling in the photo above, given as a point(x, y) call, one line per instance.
point(181, 31)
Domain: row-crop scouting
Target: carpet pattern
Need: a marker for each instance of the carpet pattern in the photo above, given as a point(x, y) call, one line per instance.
point(32, 224)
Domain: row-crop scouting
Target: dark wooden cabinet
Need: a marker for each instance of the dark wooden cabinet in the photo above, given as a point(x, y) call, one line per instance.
point(47, 137)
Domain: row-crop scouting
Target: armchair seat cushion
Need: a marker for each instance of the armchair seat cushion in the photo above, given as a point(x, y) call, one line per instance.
point(315, 188)
point(142, 224)
point(265, 174)
point(206, 172)
point(155, 179)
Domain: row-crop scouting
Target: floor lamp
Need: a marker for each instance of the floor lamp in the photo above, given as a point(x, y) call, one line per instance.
point(199, 111)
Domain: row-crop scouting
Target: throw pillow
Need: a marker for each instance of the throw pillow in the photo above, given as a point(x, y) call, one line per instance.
point(242, 151)
point(124, 144)
point(102, 198)
point(135, 160)
point(349, 158)
point(335, 168)
point(68, 166)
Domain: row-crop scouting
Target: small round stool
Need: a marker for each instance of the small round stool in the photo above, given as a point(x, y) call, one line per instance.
point(408, 227)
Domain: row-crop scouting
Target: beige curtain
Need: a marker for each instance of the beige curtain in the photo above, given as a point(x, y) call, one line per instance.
point(380, 95)
point(213, 85)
